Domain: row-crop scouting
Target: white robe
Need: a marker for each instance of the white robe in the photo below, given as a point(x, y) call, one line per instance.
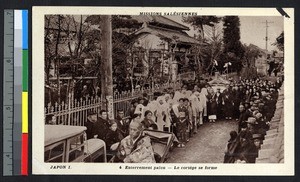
point(152, 106)
point(140, 109)
point(160, 113)
point(203, 100)
point(177, 96)
point(195, 103)
point(168, 115)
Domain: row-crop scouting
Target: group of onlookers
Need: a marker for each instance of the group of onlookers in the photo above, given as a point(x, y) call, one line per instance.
point(256, 112)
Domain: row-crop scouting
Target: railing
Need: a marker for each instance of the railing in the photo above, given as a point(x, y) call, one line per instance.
point(75, 112)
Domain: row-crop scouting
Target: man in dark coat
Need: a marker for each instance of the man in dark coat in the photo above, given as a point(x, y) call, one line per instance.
point(89, 124)
point(101, 126)
point(123, 125)
point(243, 116)
point(228, 104)
point(219, 99)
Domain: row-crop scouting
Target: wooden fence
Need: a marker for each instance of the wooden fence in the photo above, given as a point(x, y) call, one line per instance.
point(75, 112)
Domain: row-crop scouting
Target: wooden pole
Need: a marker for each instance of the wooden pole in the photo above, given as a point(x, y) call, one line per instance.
point(106, 54)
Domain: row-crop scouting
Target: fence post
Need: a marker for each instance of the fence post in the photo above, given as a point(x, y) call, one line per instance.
point(69, 108)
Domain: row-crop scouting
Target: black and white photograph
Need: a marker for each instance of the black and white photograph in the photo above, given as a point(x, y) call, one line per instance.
point(161, 86)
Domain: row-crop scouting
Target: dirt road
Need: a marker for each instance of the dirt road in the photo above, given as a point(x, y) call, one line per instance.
point(207, 146)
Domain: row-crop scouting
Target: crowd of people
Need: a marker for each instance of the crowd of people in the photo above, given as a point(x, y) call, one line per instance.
point(182, 112)
point(255, 114)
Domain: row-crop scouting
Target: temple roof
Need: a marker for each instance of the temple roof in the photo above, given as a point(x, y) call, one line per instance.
point(167, 33)
point(160, 20)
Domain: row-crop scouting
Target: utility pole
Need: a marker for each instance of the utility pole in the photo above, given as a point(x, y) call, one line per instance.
point(106, 66)
point(267, 38)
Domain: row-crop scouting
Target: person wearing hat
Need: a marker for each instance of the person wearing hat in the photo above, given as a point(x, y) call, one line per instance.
point(247, 105)
point(252, 125)
point(257, 140)
point(243, 116)
point(253, 148)
point(262, 125)
point(261, 107)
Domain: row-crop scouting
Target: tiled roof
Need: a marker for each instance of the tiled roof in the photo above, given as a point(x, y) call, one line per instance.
point(160, 20)
point(170, 34)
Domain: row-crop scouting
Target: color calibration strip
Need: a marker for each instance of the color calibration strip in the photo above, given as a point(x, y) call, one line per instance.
point(16, 91)
point(24, 157)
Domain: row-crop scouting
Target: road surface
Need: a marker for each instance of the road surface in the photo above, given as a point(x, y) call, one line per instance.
point(207, 146)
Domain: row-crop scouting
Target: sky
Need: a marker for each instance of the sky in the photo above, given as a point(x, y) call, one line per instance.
point(253, 29)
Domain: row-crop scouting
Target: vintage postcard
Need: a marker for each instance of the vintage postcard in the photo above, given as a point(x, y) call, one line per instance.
point(162, 91)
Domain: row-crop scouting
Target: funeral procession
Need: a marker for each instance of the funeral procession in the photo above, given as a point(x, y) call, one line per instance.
point(163, 89)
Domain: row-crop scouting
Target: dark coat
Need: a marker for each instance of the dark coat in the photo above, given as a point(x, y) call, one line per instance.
point(242, 118)
point(230, 153)
point(148, 122)
point(228, 103)
point(123, 127)
point(89, 129)
point(111, 138)
point(212, 105)
point(101, 128)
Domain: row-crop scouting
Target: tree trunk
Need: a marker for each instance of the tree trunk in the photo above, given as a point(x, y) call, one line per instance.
point(57, 59)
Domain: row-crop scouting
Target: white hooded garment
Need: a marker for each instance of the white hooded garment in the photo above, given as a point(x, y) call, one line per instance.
point(161, 112)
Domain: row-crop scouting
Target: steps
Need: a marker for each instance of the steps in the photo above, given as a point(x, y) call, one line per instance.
point(272, 149)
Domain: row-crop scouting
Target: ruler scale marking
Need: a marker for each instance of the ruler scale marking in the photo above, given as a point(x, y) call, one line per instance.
point(7, 94)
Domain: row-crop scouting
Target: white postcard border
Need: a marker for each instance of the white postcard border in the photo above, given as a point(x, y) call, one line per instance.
point(40, 167)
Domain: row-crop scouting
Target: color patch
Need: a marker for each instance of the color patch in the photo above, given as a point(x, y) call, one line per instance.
point(25, 71)
point(24, 112)
point(24, 158)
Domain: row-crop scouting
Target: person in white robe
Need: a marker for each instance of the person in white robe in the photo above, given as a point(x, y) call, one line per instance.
point(177, 96)
point(152, 106)
point(140, 109)
point(203, 104)
point(195, 104)
point(161, 113)
point(168, 103)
